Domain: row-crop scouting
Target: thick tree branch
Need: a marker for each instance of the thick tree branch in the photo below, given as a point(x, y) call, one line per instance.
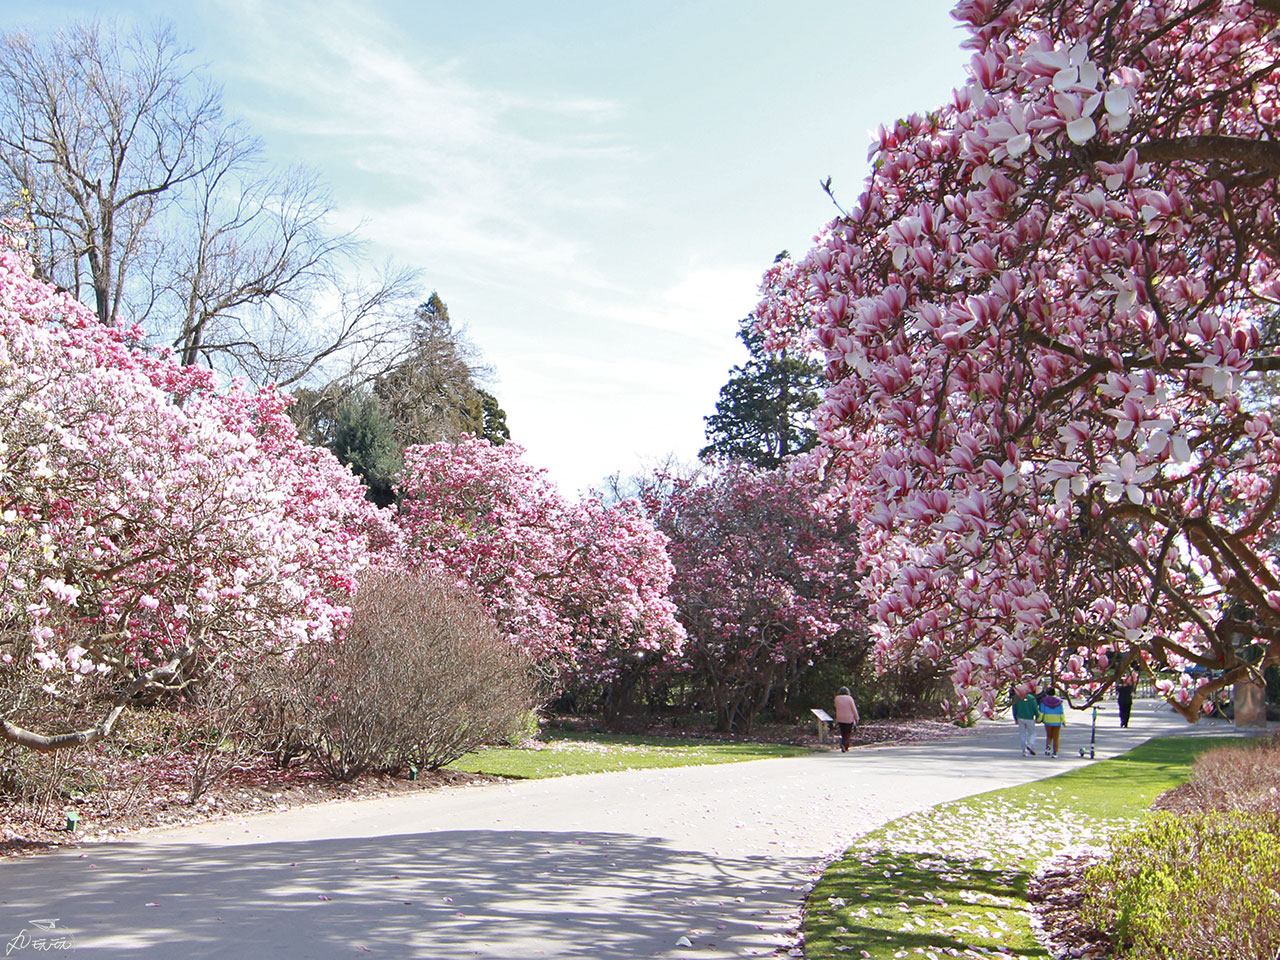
point(163, 675)
point(1258, 155)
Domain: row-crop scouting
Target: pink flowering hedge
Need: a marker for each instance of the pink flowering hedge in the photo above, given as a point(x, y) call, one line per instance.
point(582, 588)
point(764, 580)
point(148, 525)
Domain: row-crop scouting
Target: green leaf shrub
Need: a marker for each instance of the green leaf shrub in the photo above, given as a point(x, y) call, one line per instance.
point(1195, 886)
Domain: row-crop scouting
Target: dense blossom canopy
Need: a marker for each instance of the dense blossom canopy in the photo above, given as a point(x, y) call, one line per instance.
point(1041, 321)
point(147, 523)
point(764, 576)
point(581, 587)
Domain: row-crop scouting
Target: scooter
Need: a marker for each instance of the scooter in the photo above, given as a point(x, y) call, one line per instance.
point(1093, 735)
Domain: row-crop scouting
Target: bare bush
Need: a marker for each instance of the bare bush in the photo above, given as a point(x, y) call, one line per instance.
point(220, 733)
point(421, 677)
point(1243, 778)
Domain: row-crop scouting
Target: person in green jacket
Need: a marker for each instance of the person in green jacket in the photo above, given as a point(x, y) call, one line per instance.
point(1026, 711)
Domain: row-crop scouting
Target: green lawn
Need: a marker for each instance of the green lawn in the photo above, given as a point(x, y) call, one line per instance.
point(567, 753)
point(952, 881)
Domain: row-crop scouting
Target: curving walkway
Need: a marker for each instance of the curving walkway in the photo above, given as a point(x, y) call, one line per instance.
point(602, 867)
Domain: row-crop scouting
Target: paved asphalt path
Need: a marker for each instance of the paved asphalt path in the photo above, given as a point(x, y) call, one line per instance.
point(603, 867)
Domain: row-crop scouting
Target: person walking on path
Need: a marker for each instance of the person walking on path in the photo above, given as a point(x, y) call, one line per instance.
point(846, 717)
point(1054, 715)
point(1124, 694)
point(1025, 713)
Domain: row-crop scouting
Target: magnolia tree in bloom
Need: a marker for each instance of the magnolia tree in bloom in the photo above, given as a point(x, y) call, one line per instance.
point(148, 526)
point(1041, 319)
point(581, 588)
point(764, 577)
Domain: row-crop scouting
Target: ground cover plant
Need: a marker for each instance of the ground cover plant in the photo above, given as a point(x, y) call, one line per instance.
point(1191, 886)
point(562, 754)
point(954, 880)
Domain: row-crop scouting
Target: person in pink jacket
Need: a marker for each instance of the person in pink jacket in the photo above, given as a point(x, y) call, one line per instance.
point(846, 717)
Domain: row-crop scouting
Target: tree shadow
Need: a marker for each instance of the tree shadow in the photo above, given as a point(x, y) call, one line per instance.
point(471, 893)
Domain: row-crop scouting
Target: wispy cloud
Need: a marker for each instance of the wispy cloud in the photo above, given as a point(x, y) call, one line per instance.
point(445, 167)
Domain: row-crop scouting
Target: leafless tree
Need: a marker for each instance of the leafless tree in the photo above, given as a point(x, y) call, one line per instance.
point(149, 204)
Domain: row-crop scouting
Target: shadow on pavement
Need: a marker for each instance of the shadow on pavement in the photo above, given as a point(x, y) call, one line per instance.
point(437, 895)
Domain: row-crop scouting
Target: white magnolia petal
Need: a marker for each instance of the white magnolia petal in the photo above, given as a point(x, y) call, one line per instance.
point(1117, 122)
point(1081, 130)
point(1119, 101)
point(1181, 448)
point(1018, 145)
point(1066, 78)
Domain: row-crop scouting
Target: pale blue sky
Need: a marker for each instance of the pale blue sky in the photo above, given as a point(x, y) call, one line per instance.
point(593, 188)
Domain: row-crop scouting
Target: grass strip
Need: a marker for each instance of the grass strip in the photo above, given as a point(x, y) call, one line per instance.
point(565, 754)
point(951, 881)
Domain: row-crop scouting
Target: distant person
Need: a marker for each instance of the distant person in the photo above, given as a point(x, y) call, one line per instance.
point(1124, 694)
point(1054, 715)
point(846, 717)
point(1026, 711)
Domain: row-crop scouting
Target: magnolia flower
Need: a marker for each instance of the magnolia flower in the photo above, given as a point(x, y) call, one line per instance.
point(1124, 478)
point(1070, 482)
point(1118, 104)
point(1215, 373)
point(1158, 437)
point(1072, 435)
point(1006, 473)
point(1124, 289)
point(1012, 130)
point(62, 592)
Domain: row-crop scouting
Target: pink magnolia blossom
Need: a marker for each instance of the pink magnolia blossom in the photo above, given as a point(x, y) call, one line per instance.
point(150, 526)
point(581, 587)
point(1046, 308)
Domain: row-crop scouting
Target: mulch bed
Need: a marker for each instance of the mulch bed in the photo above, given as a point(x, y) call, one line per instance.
point(1056, 894)
point(112, 814)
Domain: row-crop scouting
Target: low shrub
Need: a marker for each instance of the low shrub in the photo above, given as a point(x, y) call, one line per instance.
point(1199, 886)
point(421, 677)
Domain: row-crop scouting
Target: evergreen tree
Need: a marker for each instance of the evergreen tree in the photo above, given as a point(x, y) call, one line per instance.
point(364, 438)
point(765, 411)
point(495, 419)
point(432, 395)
